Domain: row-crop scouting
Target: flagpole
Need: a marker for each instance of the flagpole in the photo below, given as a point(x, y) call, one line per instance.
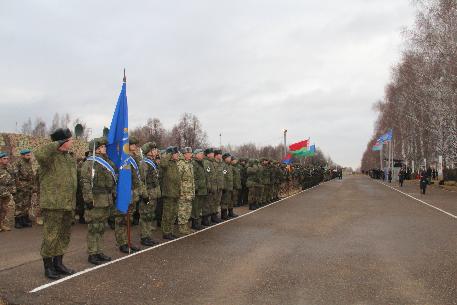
point(129, 239)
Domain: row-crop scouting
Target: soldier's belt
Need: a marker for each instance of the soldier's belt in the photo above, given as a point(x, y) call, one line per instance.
point(99, 191)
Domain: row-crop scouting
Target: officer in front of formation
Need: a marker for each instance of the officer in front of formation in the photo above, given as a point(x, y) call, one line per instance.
point(58, 182)
point(98, 178)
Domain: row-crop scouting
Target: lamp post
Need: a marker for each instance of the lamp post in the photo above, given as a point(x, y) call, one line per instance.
point(285, 142)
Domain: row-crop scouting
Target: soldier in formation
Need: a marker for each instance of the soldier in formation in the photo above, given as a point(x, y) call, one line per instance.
point(98, 177)
point(7, 191)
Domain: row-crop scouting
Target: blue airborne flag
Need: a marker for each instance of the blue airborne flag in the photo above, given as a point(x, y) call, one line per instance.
point(117, 150)
point(386, 137)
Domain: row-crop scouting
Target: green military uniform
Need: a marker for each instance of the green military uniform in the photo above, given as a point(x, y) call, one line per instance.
point(171, 190)
point(186, 172)
point(80, 205)
point(243, 194)
point(98, 183)
point(25, 186)
point(216, 204)
point(252, 183)
point(227, 192)
point(121, 220)
point(58, 183)
point(211, 182)
point(201, 192)
point(150, 172)
point(7, 190)
point(264, 180)
point(236, 184)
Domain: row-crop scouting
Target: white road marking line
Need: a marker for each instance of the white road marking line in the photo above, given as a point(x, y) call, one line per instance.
point(42, 287)
point(421, 201)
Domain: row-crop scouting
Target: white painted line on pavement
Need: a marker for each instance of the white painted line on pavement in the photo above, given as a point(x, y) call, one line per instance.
point(42, 287)
point(421, 201)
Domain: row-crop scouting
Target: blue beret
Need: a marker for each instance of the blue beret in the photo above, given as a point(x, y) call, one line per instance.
point(3, 154)
point(25, 151)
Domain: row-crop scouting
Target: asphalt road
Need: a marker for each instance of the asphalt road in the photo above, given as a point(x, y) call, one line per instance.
point(353, 241)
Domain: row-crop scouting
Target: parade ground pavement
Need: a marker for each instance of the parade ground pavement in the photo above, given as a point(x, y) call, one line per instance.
point(350, 241)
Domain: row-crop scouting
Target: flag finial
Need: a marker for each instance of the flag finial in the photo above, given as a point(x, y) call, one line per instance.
point(125, 79)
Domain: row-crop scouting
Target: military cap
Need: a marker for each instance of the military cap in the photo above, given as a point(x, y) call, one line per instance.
point(148, 147)
point(3, 154)
point(133, 140)
point(209, 151)
point(218, 152)
point(25, 151)
point(97, 142)
point(225, 156)
point(172, 150)
point(198, 151)
point(61, 134)
point(185, 150)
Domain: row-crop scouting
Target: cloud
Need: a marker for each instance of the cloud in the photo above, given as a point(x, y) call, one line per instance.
point(246, 68)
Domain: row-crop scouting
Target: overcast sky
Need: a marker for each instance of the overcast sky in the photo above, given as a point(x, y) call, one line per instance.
point(247, 69)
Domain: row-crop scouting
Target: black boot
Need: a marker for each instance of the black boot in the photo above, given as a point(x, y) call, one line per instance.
point(148, 242)
point(93, 259)
point(82, 220)
point(111, 222)
point(168, 236)
point(224, 215)
point(231, 214)
point(25, 221)
point(49, 270)
point(18, 222)
point(214, 218)
point(196, 224)
point(103, 257)
point(205, 221)
point(124, 249)
point(60, 267)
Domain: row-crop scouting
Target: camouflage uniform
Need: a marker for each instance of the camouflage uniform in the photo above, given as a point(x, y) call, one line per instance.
point(201, 190)
point(171, 190)
point(7, 190)
point(58, 183)
point(186, 172)
point(147, 208)
point(25, 185)
point(264, 181)
point(98, 192)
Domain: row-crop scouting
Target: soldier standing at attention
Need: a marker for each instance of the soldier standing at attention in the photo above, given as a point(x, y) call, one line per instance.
point(58, 182)
point(7, 190)
point(98, 179)
point(25, 185)
point(150, 172)
point(171, 190)
point(219, 168)
point(227, 192)
point(243, 196)
point(120, 220)
point(236, 185)
point(211, 182)
point(201, 189)
point(186, 172)
point(252, 183)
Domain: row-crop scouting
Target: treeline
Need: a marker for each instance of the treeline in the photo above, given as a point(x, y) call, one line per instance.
point(420, 102)
point(188, 131)
point(39, 128)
